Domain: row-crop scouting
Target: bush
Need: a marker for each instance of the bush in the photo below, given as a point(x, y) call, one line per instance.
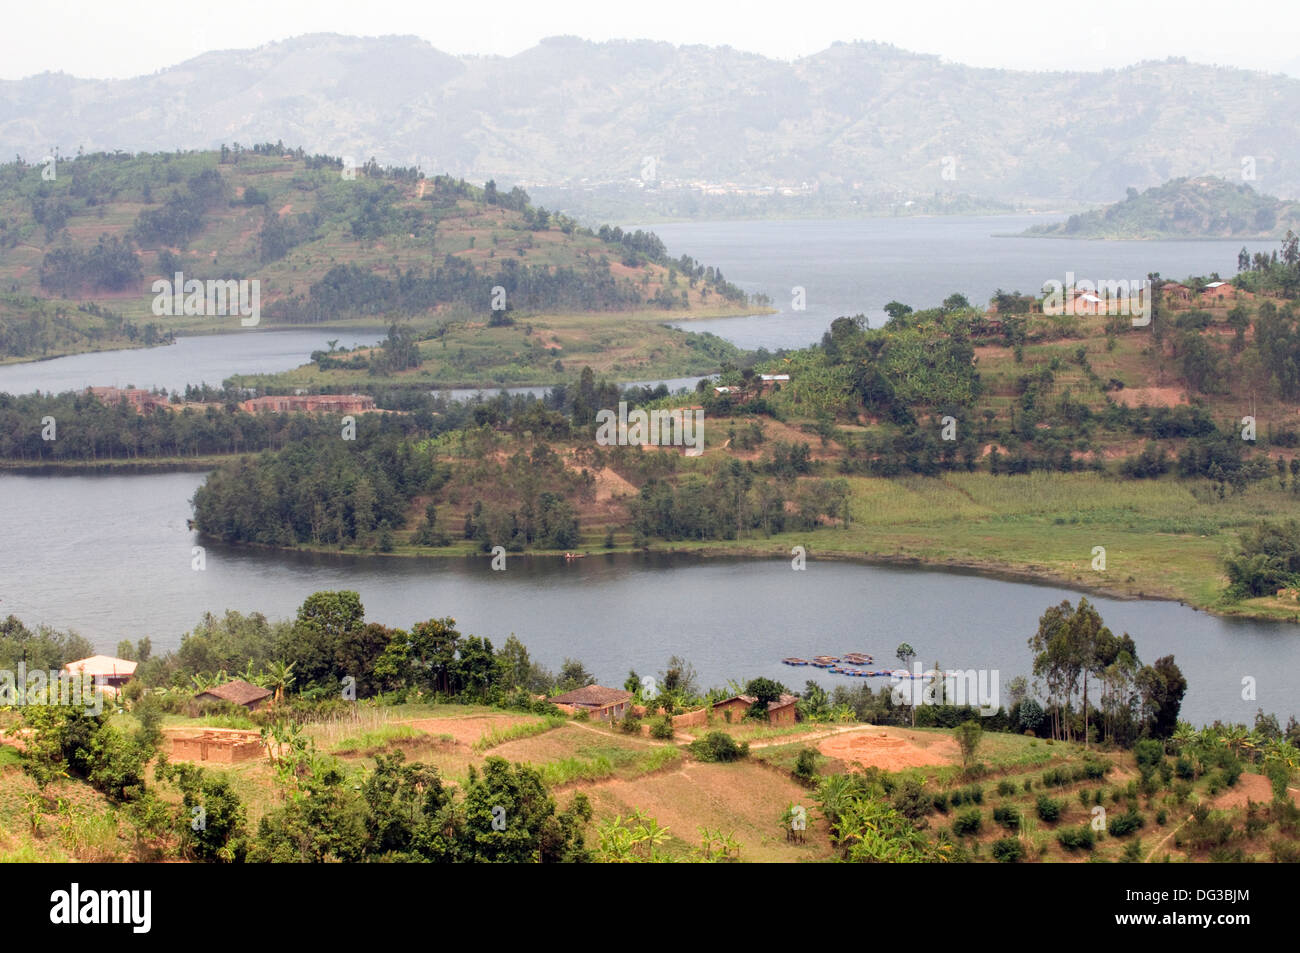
point(663, 729)
point(941, 803)
point(1149, 752)
point(631, 723)
point(1121, 825)
point(1048, 809)
point(805, 768)
point(1184, 769)
point(1006, 788)
point(1008, 850)
point(967, 822)
point(718, 746)
point(1076, 838)
point(1008, 817)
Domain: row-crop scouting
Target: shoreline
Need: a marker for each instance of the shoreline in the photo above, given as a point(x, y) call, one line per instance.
point(989, 569)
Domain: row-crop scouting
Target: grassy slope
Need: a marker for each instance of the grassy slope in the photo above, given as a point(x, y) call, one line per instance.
point(472, 230)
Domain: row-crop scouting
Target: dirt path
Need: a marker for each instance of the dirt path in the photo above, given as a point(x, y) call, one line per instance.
point(1162, 840)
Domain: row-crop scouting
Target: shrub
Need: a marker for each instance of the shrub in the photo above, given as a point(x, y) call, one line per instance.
point(631, 723)
point(1048, 809)
point(941, 802)
point(1184, 769)
point(1149, 752)
point(663, 729)
point(967, 822)
point(805, 768)
point(1076, 838)
point(1006, 788)
point(1095, 770)
point(1121, 825)
point(1008, 850)
point(718, 746)
point(1008, 817)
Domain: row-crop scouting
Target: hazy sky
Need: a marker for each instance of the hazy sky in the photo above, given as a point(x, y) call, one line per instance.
point(121, 38)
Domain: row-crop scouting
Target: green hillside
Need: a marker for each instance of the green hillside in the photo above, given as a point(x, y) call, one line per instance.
point(1201, 207)
point(83, 242)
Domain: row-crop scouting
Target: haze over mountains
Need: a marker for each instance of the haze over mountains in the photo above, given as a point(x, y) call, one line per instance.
point(637, 119)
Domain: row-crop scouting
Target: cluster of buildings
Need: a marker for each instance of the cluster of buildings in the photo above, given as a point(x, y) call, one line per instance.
point(145, 401)
point(310, 403)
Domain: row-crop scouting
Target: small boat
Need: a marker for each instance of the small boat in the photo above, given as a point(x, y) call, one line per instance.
point(794, 661)
point(574, 555)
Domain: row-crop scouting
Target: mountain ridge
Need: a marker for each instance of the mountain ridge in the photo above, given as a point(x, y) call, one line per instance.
point(857, 124)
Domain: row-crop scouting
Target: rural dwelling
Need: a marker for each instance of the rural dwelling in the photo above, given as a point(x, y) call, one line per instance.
point(1172, 291)
point(109, 673)
point(1222, 291)
point(596, 700)
point(1085, 302)
point(780, 712)
point(238, 692)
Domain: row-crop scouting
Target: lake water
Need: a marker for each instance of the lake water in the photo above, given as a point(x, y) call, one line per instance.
point(857, 267)
point(110, 556)
point(200, 359)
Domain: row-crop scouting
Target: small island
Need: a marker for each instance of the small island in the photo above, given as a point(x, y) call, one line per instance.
point(1203, 207)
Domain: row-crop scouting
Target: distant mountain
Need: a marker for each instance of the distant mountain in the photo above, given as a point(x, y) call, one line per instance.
point(855, 127)
point(1201, 207)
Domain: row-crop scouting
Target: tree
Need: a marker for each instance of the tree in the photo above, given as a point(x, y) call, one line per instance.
point(1162, 687)
point(679, 678)
point(510, 817)
point(325, 622)
point(573, 674)
point(968, 735)
point(764, 692)
point(905, 654)
point(279, 678)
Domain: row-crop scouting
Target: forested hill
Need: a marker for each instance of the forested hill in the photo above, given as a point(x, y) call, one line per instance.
point(1201, 207)
point(83, 240)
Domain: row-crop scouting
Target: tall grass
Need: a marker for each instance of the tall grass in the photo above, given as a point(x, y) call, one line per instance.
point(527, 729)
point(566, 770)
point(377, 739)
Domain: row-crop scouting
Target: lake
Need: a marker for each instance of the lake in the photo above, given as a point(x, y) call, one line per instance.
point(857, 267)
point(110, 556)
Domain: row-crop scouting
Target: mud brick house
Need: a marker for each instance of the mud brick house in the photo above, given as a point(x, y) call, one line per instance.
point(224, 745)
point(779, 712)
point(310, 403)
point(1222, 291)
point(596, 700)
point(237, 692)
point(1172, 291)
